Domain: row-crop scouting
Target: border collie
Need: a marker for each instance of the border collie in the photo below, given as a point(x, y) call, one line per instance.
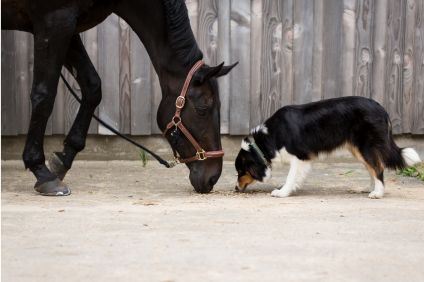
point(305, 131)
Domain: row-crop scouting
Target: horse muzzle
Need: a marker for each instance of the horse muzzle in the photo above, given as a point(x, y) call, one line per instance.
point(205, 174)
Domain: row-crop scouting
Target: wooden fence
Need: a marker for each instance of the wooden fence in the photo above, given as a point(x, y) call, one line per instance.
point(290, 51)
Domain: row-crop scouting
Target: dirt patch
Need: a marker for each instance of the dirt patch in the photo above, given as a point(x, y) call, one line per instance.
point(126, 222)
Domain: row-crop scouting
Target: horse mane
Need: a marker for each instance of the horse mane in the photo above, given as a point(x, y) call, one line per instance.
point(180, 34)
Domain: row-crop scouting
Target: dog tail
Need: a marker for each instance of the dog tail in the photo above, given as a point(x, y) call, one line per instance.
point(410, 156)
point(399, 158)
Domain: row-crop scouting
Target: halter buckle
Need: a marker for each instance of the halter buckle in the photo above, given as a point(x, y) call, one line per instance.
point(180, 102)
point(201, 155)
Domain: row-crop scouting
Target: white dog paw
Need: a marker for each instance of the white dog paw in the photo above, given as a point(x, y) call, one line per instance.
point(280, 193)
point(376, 195)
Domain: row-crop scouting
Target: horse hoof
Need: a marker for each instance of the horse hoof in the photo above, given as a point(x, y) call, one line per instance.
point(56, 166)
point(53, 188)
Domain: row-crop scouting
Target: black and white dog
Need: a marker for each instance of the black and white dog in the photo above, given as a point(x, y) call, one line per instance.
point(305, 131)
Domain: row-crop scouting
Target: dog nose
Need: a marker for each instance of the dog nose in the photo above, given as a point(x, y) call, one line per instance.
point(237, 189)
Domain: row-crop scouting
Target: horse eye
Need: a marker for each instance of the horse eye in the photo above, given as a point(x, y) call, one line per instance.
point(202, 111)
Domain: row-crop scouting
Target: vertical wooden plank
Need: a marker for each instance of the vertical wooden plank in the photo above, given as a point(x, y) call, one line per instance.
point(302, 50)
point(255, 62)
point(124, 78)
point(240, 51)
point(70, 104)
point(141, 88)
point(23, 79)
point(58, 114)
point(418, 118)
point(193, 14)
point(59, 111)
point(109, 71)
point(287, 53)
point(155, 101)
point(379, 67)
point(363, 48)
point(332, 38)
point(271, 58)
point(223, 55)
point(394, 62)
point(90, 43)
point(317, 51)
point(8, 85)
point(208, 30)
point(408, 67)
point(348, 47)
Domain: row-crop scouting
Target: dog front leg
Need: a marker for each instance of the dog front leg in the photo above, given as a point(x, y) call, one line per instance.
point(298, 171)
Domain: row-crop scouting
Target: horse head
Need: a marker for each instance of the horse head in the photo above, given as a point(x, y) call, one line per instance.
point(189, 116)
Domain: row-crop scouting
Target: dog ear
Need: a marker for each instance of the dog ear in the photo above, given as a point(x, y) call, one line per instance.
point(253, 171)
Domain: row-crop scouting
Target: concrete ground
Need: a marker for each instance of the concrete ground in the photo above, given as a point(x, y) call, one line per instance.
point(124, 222)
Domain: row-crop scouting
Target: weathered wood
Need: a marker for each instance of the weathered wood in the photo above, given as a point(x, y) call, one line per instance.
point(90, 43)
point(8, 87)
point(272, 33)
point(193, 14)
point(255, 62)
point(363, 48)
point(223, 55)
point(124, 78)
point(155, 100)
point(379, 67)
point(418, 120)
point(71, 105)
point(394, 62)
point(141, 88)
point(207, 30)
point(317, 51)
point(240, 51)
point(302, 50)
point(290, 51)
point(408, 67)
point(109, 72)
point(348, 47)
point(332, 71)
point(23, 80)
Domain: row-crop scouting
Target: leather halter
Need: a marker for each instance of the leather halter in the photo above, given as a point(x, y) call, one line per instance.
point(176, 122)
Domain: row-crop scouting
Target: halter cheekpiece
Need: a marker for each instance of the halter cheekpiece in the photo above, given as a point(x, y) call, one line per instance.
point(176, 122)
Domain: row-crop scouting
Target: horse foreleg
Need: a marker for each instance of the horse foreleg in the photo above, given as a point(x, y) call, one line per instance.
point(81, 67)
point(52, 34)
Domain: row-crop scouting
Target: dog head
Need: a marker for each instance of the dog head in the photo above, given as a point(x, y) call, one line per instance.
point(250, 166)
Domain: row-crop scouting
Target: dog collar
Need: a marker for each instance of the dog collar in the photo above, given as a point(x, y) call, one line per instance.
point(259, 151)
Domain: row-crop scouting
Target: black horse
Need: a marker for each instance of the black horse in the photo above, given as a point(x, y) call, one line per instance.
point(164, 28)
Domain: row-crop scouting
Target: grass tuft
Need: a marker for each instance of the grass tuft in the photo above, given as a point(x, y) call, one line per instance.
point(416, 171)
point(144, 157)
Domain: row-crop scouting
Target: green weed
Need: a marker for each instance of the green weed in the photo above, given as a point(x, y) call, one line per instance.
point(416, 171)
point(144, 157)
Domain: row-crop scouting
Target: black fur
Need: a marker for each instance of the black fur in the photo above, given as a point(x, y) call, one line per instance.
point(309, 129)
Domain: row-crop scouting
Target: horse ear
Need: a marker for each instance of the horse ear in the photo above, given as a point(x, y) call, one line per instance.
point(207, 72)
point(225, 70)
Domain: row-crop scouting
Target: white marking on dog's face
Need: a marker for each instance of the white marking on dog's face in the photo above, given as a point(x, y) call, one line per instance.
point(260, 128)
point(245, 145)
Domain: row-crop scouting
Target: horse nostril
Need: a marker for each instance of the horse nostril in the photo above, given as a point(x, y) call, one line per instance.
point(213, 180)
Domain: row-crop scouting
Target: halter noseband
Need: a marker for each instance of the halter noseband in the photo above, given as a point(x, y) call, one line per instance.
point(176, 122)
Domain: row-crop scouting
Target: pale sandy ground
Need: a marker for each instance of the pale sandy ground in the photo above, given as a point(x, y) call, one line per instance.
point(124, 222)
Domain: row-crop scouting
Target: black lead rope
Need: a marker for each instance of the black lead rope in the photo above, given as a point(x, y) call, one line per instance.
point(159, 159)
